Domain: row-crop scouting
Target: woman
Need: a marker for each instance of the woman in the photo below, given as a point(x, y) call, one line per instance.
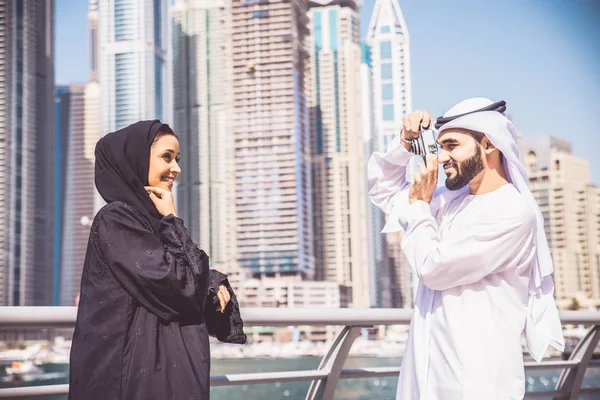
point(148, 299)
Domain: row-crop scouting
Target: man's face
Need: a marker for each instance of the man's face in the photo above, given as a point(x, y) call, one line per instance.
point(461, 157)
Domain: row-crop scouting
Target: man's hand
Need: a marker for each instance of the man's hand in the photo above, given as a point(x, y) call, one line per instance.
point(412, 125)
point(424, 183)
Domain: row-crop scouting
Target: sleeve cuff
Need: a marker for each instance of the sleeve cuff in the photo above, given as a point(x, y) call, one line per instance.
point(397, 153)
point(171, 219)
point(216, 279)
point(417, 211)
point(170, 224)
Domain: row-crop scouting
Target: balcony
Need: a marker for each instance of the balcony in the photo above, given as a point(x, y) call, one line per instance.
point(325, 378)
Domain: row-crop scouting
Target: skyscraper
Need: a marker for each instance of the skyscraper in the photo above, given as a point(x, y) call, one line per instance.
point(62, 103)
point(77, 204)
point(390, 57)
point(270, 127)
point(378, 276)
point(77, 129)
point(26, 151)
point(202, 97)
point(560, 182)
point(93, 113)
point(389, 42)
point(134, 74)
point(93, 39)
point(338, 155)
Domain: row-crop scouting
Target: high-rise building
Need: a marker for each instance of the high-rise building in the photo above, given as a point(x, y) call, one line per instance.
point(560, 182)
point(202, 101)
point(133, 67)
point(389, 43)
point(592, 233)
point(27, 155)
point(271, 140)
point(93, 113)
point(378, 276)
point(333, 86)
point(77, 128)
point(62, 103)
point(76, 209)
point(93, 39)
point(390, 58)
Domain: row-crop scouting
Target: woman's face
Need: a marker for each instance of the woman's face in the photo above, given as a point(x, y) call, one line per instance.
point(164, 158)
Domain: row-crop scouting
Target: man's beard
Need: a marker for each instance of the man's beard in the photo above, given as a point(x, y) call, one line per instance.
point(466, 170)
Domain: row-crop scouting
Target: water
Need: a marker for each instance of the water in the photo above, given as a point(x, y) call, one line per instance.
point(355, 389)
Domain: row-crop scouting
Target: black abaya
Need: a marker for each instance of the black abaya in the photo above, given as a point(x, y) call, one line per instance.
point(147, 302)
point(140, 331)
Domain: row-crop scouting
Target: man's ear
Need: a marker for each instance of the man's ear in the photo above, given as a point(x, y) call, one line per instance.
point(487, 145)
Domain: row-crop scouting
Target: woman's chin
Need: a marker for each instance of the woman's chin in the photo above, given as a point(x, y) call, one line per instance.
point(164, 185)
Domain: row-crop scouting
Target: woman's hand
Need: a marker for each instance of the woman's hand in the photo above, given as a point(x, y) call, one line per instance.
point(224, 298)
point(162, 199)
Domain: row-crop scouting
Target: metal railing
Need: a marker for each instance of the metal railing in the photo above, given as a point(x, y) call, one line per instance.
point(324, 379)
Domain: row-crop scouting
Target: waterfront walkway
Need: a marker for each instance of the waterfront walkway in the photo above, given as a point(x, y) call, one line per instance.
point(325, 378)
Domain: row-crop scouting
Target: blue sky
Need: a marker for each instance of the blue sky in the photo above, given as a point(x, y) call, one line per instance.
point(541, 56)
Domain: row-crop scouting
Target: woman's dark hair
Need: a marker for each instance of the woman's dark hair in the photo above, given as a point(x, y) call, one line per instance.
point(163, 131)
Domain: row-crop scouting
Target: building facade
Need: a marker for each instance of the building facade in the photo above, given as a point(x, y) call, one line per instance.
point(290, 293)
point(333, 87)
point(27, 152)
point(76, 106)
point(389, 44)
point(133, 62)
point(560, 182)
point(202, 118)
point(273, 225)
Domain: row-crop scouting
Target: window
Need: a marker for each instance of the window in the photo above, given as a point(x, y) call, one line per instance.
point(532, 161)
point(387, 91)
point(158, 86)
point(385, 48)
point(157, 23)
point(386, 71)
point(124, 20)
point(253, 2)
point(388, 112)
point(125, 93)
point(93, 48)
point(385, 29)
point(260, 14)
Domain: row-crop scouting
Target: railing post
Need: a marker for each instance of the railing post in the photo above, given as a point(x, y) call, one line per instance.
point(570, 379)
point(333, 362)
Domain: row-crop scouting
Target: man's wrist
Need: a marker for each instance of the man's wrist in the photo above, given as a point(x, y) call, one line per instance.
point(412, 200)
point(406, 143)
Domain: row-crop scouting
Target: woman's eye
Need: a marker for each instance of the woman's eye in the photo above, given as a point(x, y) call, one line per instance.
point(167, 157)
point(177, 160)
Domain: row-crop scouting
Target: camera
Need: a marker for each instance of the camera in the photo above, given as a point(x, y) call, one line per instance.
point(426, 143)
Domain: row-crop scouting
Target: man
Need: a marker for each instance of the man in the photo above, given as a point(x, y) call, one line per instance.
point(479, 250)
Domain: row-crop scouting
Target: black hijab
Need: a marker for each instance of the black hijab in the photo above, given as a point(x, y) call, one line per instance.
point(122, 164)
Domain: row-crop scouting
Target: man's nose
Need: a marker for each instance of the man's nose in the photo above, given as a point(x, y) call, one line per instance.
point(443, 156)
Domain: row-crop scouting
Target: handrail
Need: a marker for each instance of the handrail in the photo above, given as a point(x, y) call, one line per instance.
point(325, 378)
point(64, 317)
